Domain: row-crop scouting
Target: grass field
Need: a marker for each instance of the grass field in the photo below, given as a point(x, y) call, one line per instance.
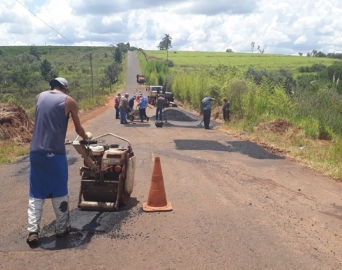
point(260, 61)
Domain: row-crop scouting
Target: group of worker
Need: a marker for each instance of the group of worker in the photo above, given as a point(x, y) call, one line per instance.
point(206, 107)
point(124, 105)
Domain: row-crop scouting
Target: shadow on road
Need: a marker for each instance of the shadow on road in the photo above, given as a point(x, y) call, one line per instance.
point(137, 124)
point(244, 147)
point(86, 224)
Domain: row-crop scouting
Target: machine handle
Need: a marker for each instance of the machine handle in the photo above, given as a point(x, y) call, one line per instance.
point(85, 142)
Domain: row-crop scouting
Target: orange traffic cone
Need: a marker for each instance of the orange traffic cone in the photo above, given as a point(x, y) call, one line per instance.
point(157, 198)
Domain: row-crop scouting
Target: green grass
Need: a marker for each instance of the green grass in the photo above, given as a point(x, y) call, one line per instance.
point(185, 59)
point(10, 151)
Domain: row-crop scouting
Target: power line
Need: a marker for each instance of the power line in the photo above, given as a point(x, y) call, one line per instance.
point(44, 22)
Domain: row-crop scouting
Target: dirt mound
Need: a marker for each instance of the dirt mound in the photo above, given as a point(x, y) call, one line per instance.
point(278, 126)
point(15, 124)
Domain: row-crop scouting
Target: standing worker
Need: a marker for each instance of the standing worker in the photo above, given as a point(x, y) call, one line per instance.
point(142, 108)
point(160, 105)
point(123, 109)
point(48, 161)
point(116, 106)
point(206, 106)
point(225, 109)
point(131, 102)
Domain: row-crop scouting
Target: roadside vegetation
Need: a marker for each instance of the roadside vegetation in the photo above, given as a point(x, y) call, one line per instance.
point(93, 73)
point(305, 93)
point(302, 92)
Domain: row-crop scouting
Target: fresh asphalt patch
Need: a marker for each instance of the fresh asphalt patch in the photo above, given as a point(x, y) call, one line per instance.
point(86, 225)
point(244, 147)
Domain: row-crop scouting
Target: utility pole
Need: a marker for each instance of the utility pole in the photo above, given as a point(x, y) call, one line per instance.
point(92, 78)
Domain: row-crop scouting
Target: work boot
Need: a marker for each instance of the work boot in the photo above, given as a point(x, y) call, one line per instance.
point(32, 238)
point(62, 234)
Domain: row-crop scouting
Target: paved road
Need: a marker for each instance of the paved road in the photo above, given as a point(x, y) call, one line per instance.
point(235, 206)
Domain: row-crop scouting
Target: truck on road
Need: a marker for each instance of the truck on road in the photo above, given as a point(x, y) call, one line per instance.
point(140, 79)
point(154, 90)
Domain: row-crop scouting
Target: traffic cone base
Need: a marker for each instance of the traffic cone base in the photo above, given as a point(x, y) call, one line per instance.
point(157, 197)
point(147, 208)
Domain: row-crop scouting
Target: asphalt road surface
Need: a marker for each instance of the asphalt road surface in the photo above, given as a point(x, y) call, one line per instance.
point(235, 206)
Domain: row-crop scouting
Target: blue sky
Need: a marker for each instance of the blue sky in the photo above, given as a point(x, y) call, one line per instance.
point(282, 27)
point(34, 4)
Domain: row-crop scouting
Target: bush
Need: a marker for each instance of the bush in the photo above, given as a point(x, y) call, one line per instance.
point(169, 63)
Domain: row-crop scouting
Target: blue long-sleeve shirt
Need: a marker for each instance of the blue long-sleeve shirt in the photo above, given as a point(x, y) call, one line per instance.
point(206, 103)
point(143, 102)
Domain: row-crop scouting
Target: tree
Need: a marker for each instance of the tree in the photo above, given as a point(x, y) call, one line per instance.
point(112, 73)
point(123, 47)
point(229, 50)
point(21, 75)
point(320, 54)
point(161, 46)
point(118, 55)
point(165, 44)
point(252, 46)
point(45, 69)
point(34, 51)
point(300, 54)
point(261, 50)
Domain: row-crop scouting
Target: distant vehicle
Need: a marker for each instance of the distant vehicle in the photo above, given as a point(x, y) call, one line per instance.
point(154, 90)
point(140, 78)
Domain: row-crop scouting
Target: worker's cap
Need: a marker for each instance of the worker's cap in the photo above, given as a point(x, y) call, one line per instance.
point(225, 99)
point(61, 80)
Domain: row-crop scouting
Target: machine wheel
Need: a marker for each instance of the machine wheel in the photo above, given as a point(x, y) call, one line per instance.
point(124, 198)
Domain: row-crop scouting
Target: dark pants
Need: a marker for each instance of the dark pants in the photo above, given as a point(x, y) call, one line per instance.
point(206, 118)
point(142, 113)
point(159, 112)
point(226, 115)
point(117, 112)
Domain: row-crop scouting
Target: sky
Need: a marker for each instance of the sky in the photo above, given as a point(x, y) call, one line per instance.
point(277, 27)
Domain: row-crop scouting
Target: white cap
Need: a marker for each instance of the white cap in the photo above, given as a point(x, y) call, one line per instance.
point(61, 80)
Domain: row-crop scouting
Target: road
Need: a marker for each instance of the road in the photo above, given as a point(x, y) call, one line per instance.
point(235, 206)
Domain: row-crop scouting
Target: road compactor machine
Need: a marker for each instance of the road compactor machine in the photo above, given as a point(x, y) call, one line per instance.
point(107, 173)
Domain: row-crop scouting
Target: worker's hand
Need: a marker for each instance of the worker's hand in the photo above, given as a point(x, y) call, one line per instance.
point(67, 142)
point(89, 135)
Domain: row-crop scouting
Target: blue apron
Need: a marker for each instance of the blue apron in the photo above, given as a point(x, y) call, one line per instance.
point(48, 175)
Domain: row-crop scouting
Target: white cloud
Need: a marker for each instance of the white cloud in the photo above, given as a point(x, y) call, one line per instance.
point(300, 40)
point(278, 26)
